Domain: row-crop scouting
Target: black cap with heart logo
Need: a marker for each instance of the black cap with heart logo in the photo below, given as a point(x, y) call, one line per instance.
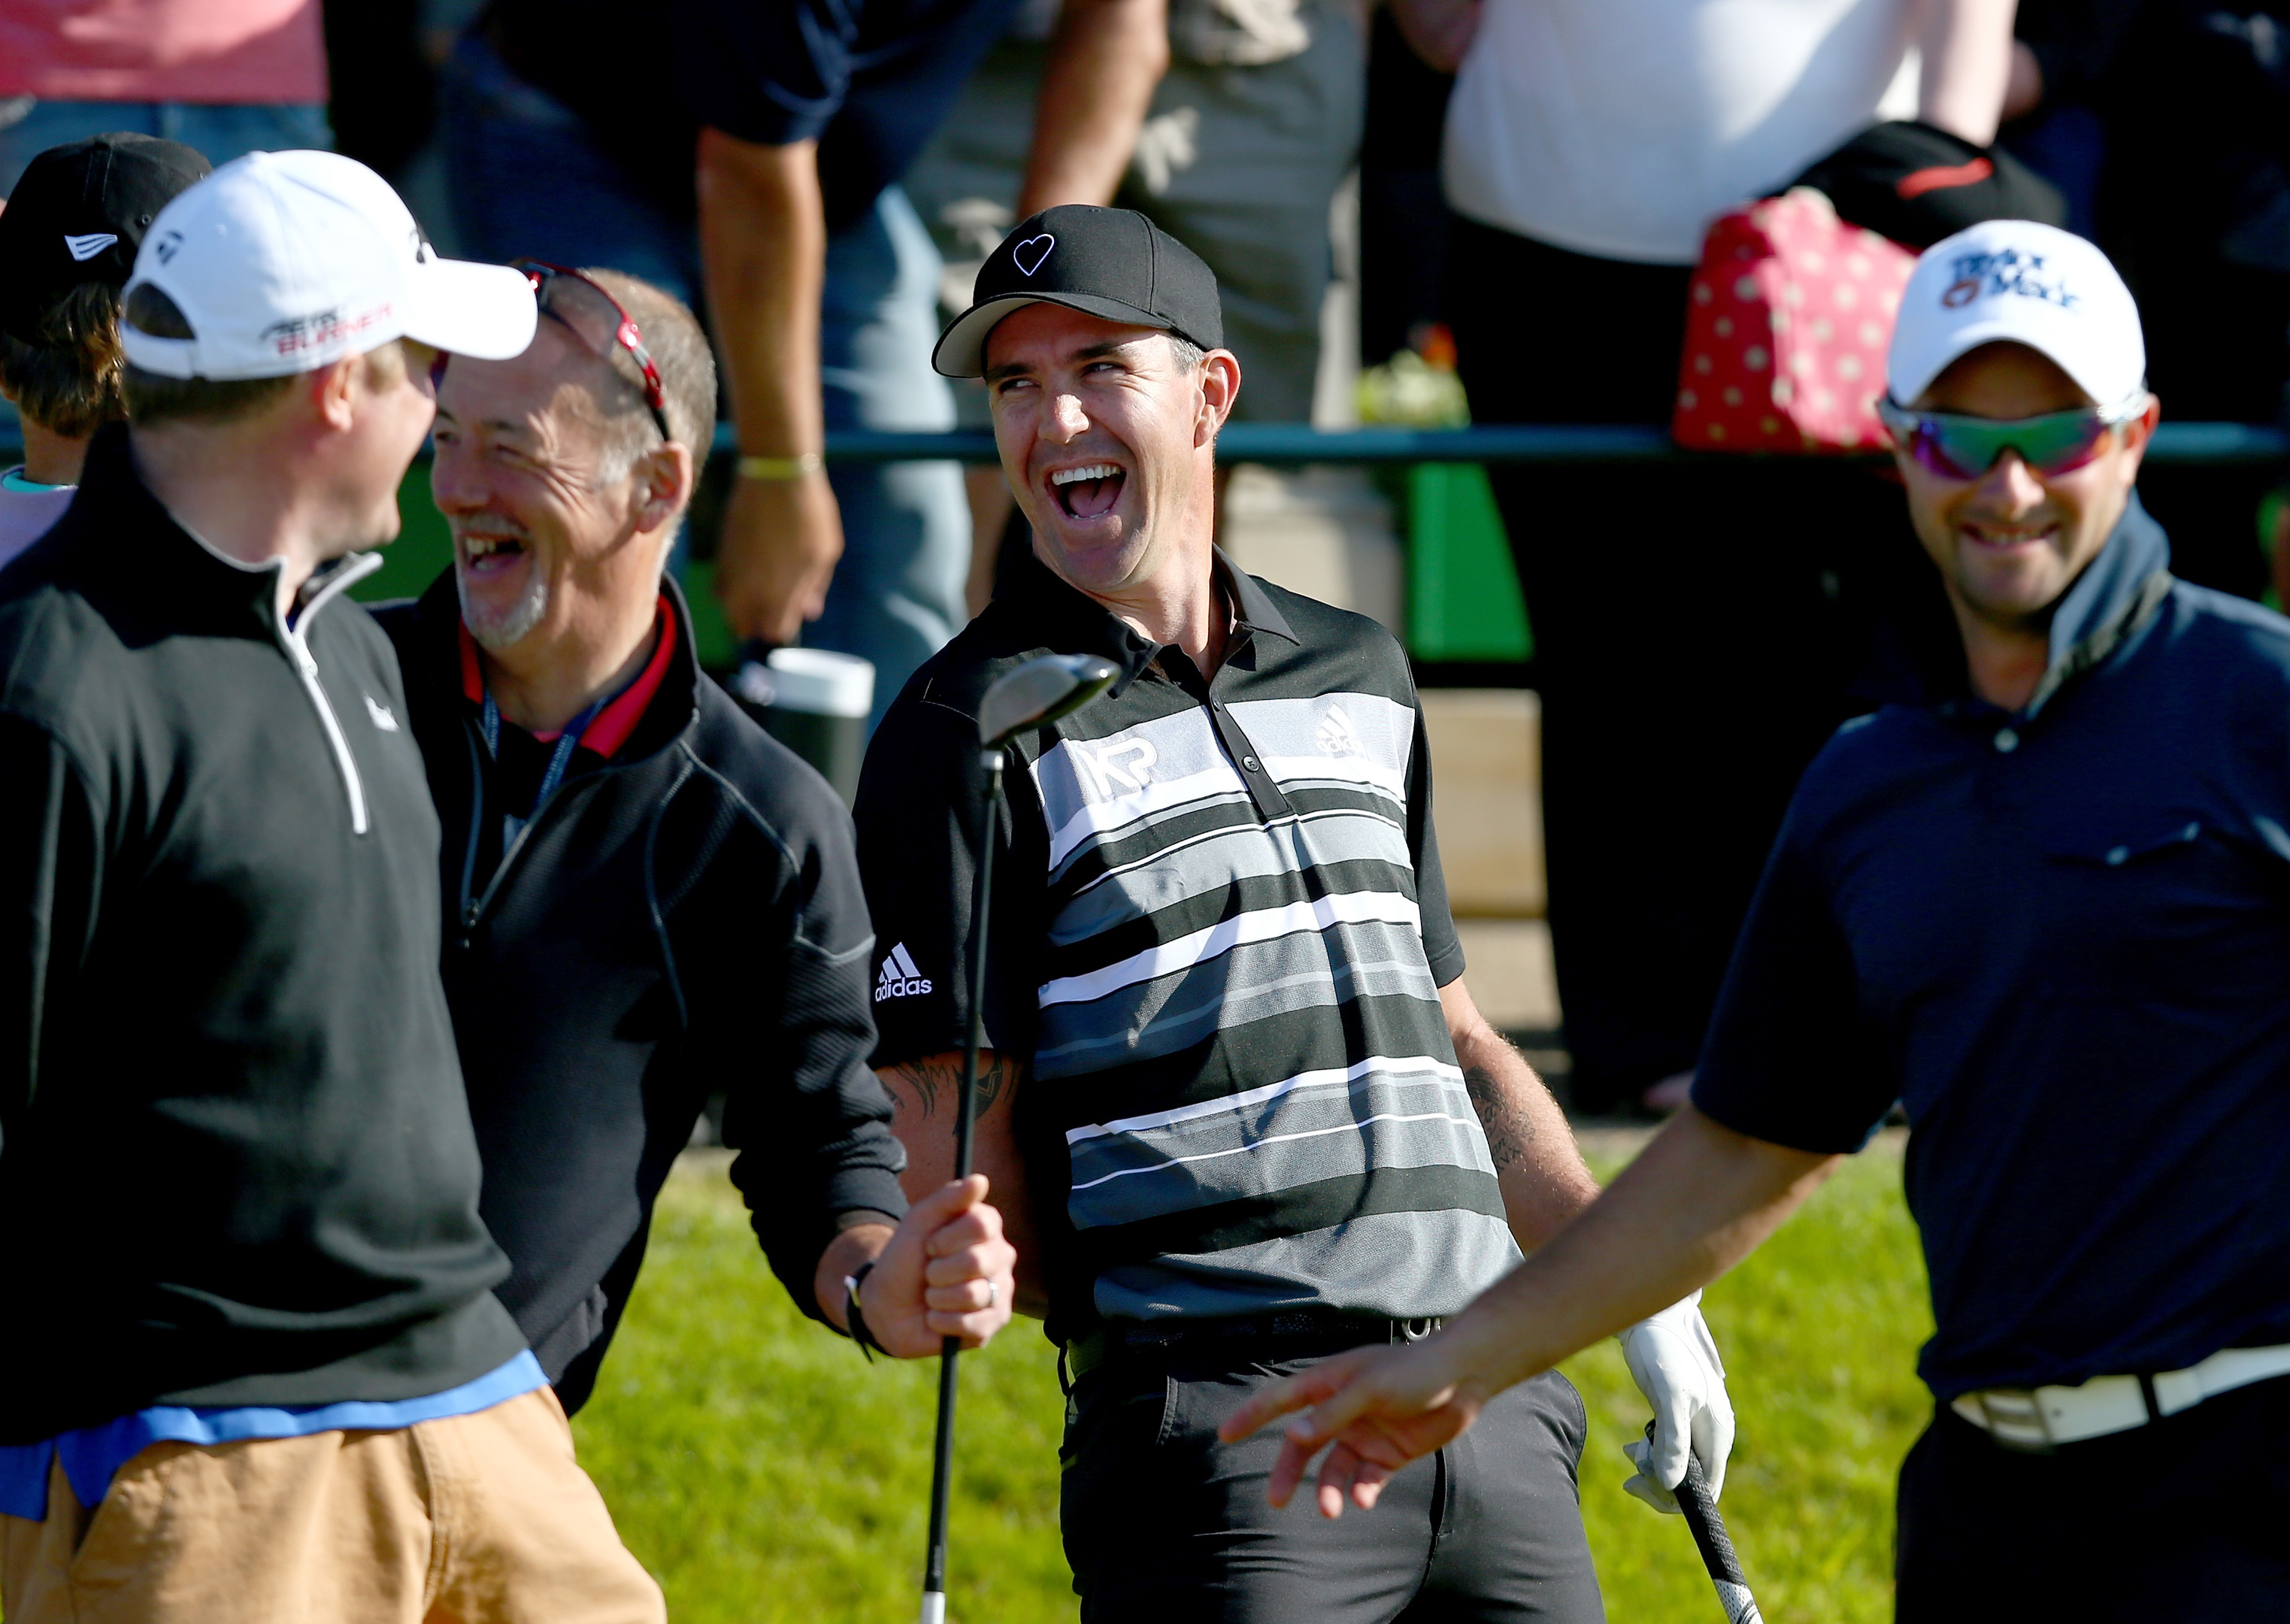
point(78, 214)
point(1109, 262)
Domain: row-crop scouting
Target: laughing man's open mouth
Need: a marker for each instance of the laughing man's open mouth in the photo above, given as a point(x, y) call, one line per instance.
point(486, 553)
point(1089, 492)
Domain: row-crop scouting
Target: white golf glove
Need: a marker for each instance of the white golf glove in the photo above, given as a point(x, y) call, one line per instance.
point(1675, 1362)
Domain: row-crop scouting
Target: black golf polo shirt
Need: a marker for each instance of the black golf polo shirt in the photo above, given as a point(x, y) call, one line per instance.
point(2061, 937)
point(1218, 937)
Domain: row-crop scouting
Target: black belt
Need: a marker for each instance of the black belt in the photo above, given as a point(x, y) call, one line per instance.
point(1295, 1333)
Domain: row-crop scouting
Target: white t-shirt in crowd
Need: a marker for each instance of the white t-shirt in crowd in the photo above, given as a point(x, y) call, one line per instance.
point(28, 511)
point(1621, 128)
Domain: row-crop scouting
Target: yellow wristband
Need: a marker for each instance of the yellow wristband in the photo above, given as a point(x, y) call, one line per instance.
point(782, 468)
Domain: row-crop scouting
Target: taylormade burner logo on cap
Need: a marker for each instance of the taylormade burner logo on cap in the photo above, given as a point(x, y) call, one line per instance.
point(2017, 282)
point(303, 335)
point(283, 262)
point(1112, 263)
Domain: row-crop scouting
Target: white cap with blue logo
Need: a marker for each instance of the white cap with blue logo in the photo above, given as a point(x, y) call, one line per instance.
point(2019, 282)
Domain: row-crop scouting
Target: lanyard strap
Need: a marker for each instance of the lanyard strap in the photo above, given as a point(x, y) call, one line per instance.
point(568, 742)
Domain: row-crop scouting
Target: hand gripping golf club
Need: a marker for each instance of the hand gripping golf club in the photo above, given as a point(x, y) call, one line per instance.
point(1717, 1547)
point(1033, 695)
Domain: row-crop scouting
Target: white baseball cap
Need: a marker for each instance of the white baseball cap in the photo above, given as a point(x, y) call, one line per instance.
point(2014, 280)
point(283, 262)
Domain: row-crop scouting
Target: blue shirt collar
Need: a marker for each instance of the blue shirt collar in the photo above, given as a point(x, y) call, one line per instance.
point(2114, 597)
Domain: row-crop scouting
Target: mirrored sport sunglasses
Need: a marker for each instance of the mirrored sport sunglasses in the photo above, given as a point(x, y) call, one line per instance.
point(1957, 447)
point(597, 320)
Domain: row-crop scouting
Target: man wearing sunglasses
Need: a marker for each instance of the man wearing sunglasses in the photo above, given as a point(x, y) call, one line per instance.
point(2048, 911)
point(646, 899)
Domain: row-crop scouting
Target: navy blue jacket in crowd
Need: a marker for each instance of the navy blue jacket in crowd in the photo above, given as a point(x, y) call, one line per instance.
point(2061, 937)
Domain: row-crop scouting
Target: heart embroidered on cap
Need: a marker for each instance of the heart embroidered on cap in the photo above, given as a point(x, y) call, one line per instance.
point(1038, 247)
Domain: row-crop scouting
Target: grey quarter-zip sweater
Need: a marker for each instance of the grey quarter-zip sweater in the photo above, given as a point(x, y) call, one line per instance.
point(237, 1165)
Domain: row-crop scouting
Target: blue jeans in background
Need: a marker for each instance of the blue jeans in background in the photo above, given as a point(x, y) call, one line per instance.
point(29, 126)
point(528, 178)
point(222, 131)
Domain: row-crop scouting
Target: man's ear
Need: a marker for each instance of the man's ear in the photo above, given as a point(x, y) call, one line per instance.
point(664, 480)
point(2138, 433)
point(1220, 388)
point(332, 390)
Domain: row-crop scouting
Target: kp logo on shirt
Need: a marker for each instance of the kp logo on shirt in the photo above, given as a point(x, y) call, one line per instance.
point(900, 977)
point(1116, 766)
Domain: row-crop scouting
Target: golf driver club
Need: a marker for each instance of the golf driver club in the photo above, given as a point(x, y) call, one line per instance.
point(1033, 695)
point(1715, 1545)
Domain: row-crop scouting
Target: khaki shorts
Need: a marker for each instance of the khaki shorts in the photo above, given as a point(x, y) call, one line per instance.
point(470, 1520)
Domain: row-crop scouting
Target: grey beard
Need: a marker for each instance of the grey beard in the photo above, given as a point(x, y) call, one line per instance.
point(501, 631)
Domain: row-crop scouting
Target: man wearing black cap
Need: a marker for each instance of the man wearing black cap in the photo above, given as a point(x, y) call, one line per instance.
point(68, 240)
point(1240, 1113)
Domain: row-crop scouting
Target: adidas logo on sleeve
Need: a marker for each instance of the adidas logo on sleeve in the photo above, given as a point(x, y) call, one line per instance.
point(899, 977)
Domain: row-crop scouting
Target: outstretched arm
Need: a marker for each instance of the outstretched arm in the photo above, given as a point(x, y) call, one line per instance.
point(1699, 1200)
point(1671, 1355)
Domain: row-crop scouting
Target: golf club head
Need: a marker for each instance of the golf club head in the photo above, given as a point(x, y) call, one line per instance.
point(1040, 691)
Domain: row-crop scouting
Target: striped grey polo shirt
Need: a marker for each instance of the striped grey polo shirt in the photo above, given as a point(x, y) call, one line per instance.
point(1219, 935)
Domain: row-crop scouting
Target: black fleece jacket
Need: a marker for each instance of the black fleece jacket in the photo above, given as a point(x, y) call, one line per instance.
point(236, 1161)
point(685, 918)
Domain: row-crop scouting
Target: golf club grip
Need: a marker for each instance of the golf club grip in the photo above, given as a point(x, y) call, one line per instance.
point(1715, 1545)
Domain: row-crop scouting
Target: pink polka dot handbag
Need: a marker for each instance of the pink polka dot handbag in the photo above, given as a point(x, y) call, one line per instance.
point(1786, 327)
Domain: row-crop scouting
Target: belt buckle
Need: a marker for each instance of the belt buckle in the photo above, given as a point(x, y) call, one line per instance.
point(2012, 1423)
point(1416, 1329)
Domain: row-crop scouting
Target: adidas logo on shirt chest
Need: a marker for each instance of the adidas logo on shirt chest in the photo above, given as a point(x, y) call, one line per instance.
point(900, 977)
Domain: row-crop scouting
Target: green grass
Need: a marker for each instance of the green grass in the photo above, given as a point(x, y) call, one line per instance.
point(765, 1473)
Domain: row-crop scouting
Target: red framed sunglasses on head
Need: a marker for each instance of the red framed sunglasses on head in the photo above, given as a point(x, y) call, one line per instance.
point(597, 320)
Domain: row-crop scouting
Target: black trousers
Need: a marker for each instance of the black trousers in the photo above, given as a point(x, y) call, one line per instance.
point(1164, 1521)
point(2186, 1520)
point(1698, 631)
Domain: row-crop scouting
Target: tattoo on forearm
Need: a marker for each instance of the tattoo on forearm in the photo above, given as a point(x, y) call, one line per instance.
point(941, 1074)
point(1510, 1129)
point(993, 1075)
point(925, 1078)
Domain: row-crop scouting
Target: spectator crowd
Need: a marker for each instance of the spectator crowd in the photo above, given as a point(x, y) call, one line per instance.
point(256, 253)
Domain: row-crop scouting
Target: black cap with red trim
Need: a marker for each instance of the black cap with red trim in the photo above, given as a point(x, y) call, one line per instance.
point(1916, 183)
